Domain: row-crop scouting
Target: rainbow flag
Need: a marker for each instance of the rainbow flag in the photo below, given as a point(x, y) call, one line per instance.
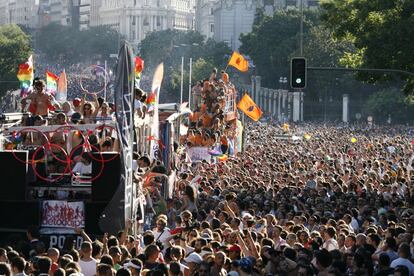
point(139, 66)
point(151, 101)
point(51, 82)
point(26, 76)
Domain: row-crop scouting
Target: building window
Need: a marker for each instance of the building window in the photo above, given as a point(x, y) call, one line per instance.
point(158, 21)
point(268, 2)
point(146, 23)
point(158, 3)
point(211, 27)
point(211, 11)
point(291, 3)
point(313, 3)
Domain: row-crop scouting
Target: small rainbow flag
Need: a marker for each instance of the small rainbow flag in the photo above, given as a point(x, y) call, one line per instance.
point(26, 76)
point(151, 101)
point(51, 82)
point(139, 66)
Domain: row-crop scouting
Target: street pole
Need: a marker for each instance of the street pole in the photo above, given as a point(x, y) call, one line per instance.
point(182, 80)
point(301, 28)
point(189, 83)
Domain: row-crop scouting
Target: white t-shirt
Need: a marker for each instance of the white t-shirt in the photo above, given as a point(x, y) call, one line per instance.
point(330, 245)
point(82, 169)
point(88, 268)
point(163, 237)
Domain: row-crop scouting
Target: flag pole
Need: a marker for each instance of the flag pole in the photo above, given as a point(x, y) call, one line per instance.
point(182, 79)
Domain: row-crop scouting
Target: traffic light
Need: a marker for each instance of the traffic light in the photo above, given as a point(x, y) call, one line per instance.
point(298, 72)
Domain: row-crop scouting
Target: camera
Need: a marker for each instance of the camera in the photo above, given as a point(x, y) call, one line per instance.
point(160, 245)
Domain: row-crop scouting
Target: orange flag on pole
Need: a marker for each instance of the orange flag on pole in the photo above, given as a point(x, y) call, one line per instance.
point(239, 62)
point(250, 108)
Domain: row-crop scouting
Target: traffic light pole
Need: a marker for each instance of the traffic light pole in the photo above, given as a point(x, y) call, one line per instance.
point(361, 70)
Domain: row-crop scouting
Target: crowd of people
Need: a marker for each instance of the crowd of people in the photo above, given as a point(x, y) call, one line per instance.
point(331, 201)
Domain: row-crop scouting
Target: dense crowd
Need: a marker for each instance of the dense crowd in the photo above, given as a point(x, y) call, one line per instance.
point(327, 201)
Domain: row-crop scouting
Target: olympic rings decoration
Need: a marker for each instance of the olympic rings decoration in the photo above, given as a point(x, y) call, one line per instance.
point(94, 71)
point(48, 148)
point(84, 146)
point(28, 130)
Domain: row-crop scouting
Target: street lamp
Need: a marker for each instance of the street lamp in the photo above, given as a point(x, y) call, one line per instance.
point(282, 81)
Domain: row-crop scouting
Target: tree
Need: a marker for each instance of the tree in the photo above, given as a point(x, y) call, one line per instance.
point(391, 102)
point(169, 46)
point(381, 30)
point(14, 49)
point(65, 44)
point(272, 41)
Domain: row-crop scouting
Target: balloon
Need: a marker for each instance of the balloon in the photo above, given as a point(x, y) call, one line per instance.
point(307, 136)
point(353, 140)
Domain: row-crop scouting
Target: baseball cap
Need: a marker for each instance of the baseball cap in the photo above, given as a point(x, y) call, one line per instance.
point(76, 102)
point(193, 258)
point(235, 248)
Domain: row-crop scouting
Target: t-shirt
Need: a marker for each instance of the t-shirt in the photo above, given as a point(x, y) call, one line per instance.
point(404, 262)
point(82, 169)
point(330, 245)
point(88, 268)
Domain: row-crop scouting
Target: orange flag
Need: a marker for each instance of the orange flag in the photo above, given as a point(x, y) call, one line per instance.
point(250, 108)
point(239, 62)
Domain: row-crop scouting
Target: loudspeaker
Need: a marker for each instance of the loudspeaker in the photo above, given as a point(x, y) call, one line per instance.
point(13, 175)
point(107, 176)
point(19, 214)
point(93, 211)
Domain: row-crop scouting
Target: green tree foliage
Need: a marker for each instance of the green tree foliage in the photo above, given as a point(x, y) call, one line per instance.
point(169, 46)
point(273, 40)
point(63, 43)
point(381, 30)
point(14, 49)
point(391, 102)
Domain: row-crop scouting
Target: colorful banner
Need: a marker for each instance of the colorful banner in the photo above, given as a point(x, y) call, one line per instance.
point(51, 82)
point(139, 67)
point(63, 214)
point(155, 93)
point(62, 90)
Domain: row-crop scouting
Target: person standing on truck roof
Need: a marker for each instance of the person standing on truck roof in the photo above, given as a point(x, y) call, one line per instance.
point(224, 77)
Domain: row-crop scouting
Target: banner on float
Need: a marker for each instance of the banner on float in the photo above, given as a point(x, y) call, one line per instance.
point(63, 214)
point(199, 154)
point(153, 106)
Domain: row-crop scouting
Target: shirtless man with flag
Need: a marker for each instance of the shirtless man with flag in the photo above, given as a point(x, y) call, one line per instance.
point(40, 102)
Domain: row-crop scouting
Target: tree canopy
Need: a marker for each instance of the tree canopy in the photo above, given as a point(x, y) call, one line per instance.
point(14, 49)
point(381, 30)
point(67, 44)
point(169, 46)
point(272, 41)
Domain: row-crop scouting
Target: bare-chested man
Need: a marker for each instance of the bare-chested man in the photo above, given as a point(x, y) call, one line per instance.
point(40, 101)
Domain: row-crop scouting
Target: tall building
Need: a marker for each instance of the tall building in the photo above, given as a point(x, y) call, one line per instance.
point(205, 17)
point(4, 12)
point(232, 18)
point(135, 18)
point(226, 20)
point(23, 12)
point(94, 14)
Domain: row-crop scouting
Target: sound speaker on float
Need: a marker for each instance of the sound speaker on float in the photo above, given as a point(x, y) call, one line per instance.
point(13, 175)
point(19, 214)
point(106, 184)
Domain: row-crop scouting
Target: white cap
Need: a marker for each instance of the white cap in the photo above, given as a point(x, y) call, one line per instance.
point(193, 258)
